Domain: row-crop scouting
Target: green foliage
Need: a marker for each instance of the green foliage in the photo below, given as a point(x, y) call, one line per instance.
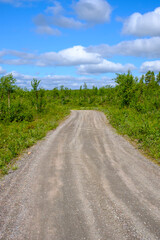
point(125, 88)
point(7, 85)
point(149, 78)
point(15, 137)
point(35, 83)
point(38, 95)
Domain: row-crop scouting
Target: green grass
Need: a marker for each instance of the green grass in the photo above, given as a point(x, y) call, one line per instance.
point(143, 129)
point(15, 137)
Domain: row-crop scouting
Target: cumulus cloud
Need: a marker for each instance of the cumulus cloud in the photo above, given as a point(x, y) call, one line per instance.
point(54, 17)
point(52, 81)
point(97, 11)
point(66, 22)
point(50, 22)
point(150, 65)
point(68, 57)
point(147, 24)
point(78, 55)
point(22, 76)
point(85, 13)
point(87, 62)
point(138, 48)
point(104, 67)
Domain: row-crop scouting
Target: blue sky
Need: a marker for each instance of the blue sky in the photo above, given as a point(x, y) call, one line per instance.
point(72, 42)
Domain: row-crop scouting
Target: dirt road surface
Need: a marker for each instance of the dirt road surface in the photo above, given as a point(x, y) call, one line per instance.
point(82, 182)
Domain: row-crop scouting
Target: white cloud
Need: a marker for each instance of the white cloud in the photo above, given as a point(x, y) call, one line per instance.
point(86, 13)
point(78, 55)
point(150, 65)
point(45, 24)
point(87, 62)
point(139, 48)
point(147, 24)
point(56, 20)
point(66, 22)
point(15, 53)
point(13, 57)
point(17, 62)
point(22, 80)
point(47, 30)
point(104, 67)
point(42, 26)
point(22, 76)
point(97, 11)
point(52, 81)
point(56, 9)
point(68, 57)
point(40, 20)
point(2, 71)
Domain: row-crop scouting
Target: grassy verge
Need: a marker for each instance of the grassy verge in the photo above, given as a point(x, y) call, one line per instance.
point(15, 137)
point(144, 129)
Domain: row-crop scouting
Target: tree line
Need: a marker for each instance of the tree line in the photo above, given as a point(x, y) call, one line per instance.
point(17, 104)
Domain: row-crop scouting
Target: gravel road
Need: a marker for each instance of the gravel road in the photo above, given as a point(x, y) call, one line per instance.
point(83, 181)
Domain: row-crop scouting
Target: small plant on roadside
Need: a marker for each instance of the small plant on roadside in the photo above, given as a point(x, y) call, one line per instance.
point(15, 167)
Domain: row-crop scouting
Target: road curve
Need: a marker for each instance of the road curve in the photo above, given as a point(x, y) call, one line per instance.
point(83, 181)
